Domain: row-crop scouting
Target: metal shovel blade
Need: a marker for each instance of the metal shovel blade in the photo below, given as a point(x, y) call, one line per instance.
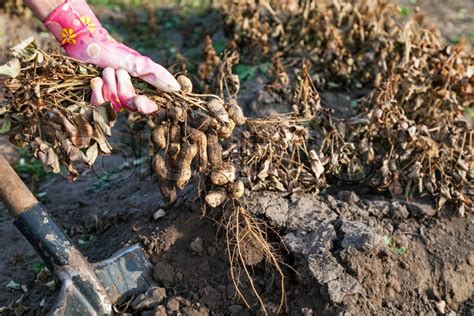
point(87, 289)
point(126, 273)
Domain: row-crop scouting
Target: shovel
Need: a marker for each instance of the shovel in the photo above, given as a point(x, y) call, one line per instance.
point(87, 289)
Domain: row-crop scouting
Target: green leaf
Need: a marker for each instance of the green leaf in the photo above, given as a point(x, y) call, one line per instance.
point(41, 194)
point(387, 240)
point(401, 250)
point(219, 45)
point(82, 70)
point(354, 104)
point(7, 125)
point(265, 67)
point(404, 11)
point(245, 72)
point(37, 267)
point(12, 285)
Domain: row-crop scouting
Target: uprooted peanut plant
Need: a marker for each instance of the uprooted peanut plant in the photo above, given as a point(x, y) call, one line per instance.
point(412, 134)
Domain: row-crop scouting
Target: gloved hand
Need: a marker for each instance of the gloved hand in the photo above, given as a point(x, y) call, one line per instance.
point(82, 36)
point(116, 87)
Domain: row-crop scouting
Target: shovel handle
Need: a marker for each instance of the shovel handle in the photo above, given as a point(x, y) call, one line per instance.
point(13, 192)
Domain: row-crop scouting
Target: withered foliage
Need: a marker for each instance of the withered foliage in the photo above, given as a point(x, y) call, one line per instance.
point(47, 112)
point(418, 117)
point(349, 43)
point(410, 135)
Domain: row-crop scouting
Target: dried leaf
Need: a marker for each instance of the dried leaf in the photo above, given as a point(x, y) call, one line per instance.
point(92, 153)
point(11, 68)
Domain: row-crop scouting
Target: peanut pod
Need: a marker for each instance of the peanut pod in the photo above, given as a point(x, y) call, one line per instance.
point(200, 139)
point(223, 174)
point(204, 123)
point(168, 190)
point(236, 113)
point(158, 136)
point(236, 190)
point(217, 110)
point(177, 114)
point(172, 153)
point(186, 156)
point(174, 133)
point(226, 130)
point(181, 172)
point(164, 169)
point(214, 149)
point(161, 167)
point(185, 83)
point(216, 197)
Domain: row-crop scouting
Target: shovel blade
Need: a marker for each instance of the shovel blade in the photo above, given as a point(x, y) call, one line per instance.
point(87, 289)
point(126, 273)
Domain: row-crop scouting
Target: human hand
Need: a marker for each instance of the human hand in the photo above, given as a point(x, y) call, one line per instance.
point(83, 38)
point(116, 87)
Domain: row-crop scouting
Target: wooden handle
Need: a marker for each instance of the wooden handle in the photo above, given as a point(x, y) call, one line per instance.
point(13, 192)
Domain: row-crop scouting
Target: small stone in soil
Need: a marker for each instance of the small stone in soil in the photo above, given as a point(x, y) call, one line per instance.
point(441, 307)
point(160, 311)
point(164, 273)
point(398, 211)
point(235, 309)
point(153, 297)
point(172, 305)
point(204, 268)
point(420, 209)
point(197, 245)
point(306, 311)
point(470, 259)
point(348, 196)
point(159, 214)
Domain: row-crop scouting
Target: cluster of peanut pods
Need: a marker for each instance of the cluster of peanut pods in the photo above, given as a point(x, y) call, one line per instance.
point(187, 140)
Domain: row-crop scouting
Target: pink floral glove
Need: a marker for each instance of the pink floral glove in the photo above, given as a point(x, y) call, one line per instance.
point(83, 38)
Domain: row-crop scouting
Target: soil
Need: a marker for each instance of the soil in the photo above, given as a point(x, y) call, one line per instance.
point(351, 251)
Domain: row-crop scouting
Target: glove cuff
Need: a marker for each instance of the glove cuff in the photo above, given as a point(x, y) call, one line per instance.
point(78, 30)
